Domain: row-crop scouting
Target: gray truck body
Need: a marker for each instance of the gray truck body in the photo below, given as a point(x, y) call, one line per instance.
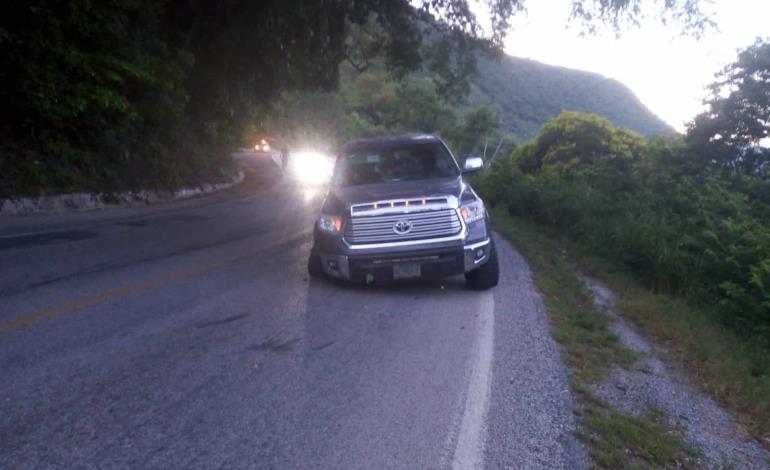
point(401, 229)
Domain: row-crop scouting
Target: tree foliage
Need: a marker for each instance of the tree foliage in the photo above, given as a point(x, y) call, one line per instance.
point(99, 95)
point(575, 141)
point(704, 235)
point(79, 80)
point(738, 115)
point(476, 129)
point(374, 103)
point(620, 14)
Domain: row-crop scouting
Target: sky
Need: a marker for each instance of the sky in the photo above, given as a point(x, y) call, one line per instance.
point(667, 71)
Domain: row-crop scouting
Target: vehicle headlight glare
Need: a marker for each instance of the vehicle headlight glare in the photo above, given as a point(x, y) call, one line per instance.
point(330, 223)
point(472, 212)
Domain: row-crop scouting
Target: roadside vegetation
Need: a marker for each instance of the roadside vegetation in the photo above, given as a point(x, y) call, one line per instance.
point(115, 95)
point(717, 359)
point(614, 439)
point(678, 226)
point(374, 103)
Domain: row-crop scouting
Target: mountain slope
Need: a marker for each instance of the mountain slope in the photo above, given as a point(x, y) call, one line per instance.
point(526, 94)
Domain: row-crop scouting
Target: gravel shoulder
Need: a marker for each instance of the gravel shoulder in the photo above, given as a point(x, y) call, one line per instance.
point(655, 384)
point(531, 391)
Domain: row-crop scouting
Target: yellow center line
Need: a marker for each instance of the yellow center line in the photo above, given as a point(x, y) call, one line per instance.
point(113, 294)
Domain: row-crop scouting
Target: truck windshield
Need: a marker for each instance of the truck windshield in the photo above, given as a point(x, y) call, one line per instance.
point(394, 163)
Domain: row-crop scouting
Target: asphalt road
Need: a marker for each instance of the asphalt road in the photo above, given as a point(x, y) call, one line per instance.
point(188, 335)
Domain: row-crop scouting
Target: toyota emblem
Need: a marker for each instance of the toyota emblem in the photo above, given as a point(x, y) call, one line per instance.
point(402, 226)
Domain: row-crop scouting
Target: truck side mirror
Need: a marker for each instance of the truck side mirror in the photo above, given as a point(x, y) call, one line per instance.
point(472, 164)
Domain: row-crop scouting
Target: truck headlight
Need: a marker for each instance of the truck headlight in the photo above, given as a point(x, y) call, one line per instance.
point(473, 211)
point(330, 223)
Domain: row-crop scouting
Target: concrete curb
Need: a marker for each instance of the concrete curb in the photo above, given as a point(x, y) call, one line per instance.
point(75, 202)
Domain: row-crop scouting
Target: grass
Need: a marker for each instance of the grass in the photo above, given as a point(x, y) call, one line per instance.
point(730, 368)
point(623, 441)
point(576, 323)
point(733, 370)
point(615, 439)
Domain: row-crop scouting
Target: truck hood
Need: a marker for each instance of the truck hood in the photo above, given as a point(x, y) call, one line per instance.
point(347, 195)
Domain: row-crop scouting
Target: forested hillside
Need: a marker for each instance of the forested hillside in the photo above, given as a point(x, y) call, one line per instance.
point(525, 94)
point(106, 96)
point(508, 100)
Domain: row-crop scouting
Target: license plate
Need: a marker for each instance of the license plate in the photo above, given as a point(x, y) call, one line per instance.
point(406, 270)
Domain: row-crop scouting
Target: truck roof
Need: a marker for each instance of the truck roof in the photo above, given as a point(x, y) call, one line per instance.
point(391, 141)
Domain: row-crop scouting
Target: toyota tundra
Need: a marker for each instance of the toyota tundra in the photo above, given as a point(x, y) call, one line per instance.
point(399, 208)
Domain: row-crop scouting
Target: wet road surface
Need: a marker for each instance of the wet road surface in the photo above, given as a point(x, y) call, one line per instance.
point(188, 335)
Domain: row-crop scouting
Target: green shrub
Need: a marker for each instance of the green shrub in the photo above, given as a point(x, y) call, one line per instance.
point(705, 236)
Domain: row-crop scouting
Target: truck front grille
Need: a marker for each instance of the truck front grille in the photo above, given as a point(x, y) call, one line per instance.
point(382, 228)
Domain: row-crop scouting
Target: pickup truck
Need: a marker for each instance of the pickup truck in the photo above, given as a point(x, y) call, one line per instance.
point(399, 208)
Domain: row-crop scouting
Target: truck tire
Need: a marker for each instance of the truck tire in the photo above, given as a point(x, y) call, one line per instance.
point(488, 275)
point(314, 267)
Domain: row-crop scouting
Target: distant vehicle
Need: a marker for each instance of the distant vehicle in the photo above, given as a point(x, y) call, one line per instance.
point(271, 148)
point(399, 208)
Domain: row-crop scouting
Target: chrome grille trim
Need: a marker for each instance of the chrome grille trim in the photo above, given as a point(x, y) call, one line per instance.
point(403, 206)
point(437, 225)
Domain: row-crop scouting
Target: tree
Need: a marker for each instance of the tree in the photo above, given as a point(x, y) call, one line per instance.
point(469, 136)
point(574, 141)
point(119, 91)
point(85, 86)
point(729, 133)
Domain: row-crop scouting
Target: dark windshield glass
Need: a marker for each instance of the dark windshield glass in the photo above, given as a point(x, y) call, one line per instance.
point(404, 163)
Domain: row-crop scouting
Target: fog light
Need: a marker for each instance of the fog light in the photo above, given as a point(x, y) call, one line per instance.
point(479, 253)
point(332, 263)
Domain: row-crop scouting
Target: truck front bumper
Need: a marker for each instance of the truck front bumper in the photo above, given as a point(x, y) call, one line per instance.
point(422, 262)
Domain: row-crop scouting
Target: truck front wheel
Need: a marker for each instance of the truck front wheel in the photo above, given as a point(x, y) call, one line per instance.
point(314, 267)
point(488, 275)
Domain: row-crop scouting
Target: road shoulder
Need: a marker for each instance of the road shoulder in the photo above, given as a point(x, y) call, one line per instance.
point(636, 405)
point(532, 424)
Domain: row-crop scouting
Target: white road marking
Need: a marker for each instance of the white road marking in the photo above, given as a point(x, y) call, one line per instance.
point(469, 451)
